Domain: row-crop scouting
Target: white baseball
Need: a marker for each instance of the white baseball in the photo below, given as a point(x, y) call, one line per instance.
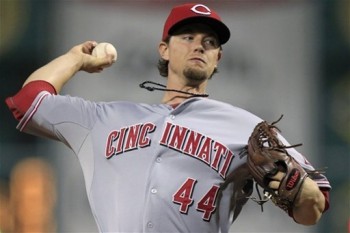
point(104, 48)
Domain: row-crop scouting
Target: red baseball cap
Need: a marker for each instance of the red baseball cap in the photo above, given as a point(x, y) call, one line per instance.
point(195, 13)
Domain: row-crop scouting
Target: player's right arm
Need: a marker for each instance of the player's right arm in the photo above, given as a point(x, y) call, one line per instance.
point(52, 76)
point(63, 68)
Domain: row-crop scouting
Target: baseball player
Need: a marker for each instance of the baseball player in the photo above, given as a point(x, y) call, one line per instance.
point(175, 166)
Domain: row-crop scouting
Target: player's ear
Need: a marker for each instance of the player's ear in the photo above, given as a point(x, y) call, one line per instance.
point(219, 55)
point(163, 50)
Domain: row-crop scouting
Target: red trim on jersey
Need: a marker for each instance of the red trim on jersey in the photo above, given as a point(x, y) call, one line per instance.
point(326, 196)
point(20, 103)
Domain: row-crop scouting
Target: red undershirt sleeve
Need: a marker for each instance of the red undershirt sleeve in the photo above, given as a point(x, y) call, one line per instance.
point(326, 195)
point(20, 103)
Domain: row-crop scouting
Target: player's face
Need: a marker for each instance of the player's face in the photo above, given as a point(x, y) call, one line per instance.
point(193, 52)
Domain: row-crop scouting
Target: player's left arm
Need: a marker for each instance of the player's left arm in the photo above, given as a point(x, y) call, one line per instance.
point(295, 186)
point(311, 202)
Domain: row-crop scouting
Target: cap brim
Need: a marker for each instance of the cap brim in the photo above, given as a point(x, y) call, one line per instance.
point(219, 27)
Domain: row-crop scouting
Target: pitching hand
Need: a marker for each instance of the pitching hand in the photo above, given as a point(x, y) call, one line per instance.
point(89, 63)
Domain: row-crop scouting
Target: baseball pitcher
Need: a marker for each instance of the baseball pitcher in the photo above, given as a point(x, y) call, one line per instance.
point(186, 164)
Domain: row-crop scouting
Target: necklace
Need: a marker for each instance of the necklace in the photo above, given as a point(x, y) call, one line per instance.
point(160, 87)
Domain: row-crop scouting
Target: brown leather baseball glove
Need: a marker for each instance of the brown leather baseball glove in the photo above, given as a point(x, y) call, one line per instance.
point(266, 156)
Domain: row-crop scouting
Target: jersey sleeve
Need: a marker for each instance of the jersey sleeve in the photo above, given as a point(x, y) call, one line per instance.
point(20, 103)
point(63, 118)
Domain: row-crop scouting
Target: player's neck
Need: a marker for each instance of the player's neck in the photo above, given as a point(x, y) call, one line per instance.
point(176, 98)
point(172, 97)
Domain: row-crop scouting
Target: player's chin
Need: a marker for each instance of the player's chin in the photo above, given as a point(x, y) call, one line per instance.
point(196, 74)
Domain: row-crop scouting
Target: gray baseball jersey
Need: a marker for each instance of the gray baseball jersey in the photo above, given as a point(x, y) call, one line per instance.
point(152, 168)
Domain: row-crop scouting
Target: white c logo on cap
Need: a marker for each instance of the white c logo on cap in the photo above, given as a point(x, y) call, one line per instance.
point(194, 9)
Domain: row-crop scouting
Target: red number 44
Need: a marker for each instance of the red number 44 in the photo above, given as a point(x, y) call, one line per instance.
point(206, 204)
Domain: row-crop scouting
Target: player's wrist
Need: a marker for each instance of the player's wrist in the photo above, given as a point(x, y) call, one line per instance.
point(309, 205)
point(310, 195)
point(74, 60)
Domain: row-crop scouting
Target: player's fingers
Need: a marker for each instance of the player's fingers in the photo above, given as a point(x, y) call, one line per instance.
point(274, 185)
point(93, 64)
point(278, 177)
point(88, 46)
point(105, 61)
